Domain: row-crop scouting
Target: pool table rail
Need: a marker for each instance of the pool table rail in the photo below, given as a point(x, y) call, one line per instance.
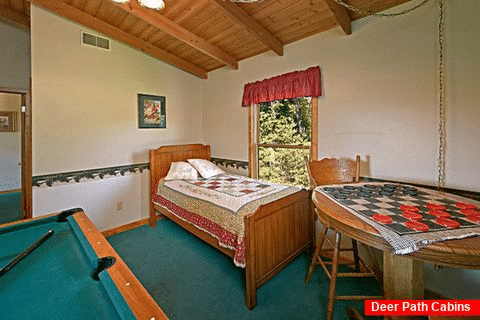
point(137, 298)
point(141, 303)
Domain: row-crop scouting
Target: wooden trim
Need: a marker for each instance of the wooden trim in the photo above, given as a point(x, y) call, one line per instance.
point(341, 16)
point(10, 191)
point(72, 13)
point(314, 121)
point(252, 141)
point(23, 145)
point(152, 180)
point(163, 23)
point(244, 19)
point(27, 162)
point(125, 227)
point(283, 146)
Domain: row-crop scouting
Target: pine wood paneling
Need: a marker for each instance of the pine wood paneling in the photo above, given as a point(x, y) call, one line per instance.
point(209, 34)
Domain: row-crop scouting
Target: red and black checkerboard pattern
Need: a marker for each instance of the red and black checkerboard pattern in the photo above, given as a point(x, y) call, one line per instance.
point(402, 209)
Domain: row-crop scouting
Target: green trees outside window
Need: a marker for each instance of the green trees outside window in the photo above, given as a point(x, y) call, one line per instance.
point(285, 133)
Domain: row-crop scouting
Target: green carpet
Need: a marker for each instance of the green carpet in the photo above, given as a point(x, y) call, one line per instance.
point(191, 280)
point(10, 207)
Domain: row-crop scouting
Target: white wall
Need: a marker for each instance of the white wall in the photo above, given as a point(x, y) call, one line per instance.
point(380, 100)
point(10, 145)
point(380, 96)
point(85, 117)
point(14, 57)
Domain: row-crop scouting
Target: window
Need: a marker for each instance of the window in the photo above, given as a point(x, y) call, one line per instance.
point(282, 134)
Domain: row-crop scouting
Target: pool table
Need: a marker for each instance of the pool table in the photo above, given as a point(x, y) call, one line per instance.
point(62, 277)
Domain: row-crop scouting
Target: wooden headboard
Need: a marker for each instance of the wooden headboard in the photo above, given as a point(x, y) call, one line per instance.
point(161, 158)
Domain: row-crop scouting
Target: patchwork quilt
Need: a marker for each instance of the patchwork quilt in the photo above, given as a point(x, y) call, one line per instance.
point(218, 205)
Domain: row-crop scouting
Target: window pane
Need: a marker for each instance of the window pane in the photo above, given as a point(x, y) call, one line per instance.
point(285, 166)
point(285, 122)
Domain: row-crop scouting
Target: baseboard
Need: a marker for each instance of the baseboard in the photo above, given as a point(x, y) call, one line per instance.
point(125, 227)
point(10, 191)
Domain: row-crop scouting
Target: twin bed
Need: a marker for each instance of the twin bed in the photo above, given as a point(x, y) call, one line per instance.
point(262, 235)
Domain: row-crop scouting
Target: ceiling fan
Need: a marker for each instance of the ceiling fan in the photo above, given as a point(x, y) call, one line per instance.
point(159, 4)
point(151, 4)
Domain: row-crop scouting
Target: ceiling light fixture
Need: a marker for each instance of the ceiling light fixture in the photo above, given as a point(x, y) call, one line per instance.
point(151, 4)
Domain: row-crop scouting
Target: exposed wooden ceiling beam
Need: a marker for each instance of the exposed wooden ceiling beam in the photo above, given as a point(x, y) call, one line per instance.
point(85, 19)
point(341, 15)
point(17, 18)
point(244, 19)
point(163, 23)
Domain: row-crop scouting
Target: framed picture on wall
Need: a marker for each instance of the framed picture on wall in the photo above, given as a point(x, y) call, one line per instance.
point(151, 111)
point(7, 121)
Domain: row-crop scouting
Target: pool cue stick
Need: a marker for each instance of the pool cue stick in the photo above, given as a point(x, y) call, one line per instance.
point(25, 252)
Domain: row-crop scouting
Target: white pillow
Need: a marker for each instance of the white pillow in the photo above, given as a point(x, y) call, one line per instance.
point(206, 168)
point(181, 170)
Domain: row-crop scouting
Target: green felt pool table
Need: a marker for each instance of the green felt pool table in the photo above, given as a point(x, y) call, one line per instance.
point(61, 278)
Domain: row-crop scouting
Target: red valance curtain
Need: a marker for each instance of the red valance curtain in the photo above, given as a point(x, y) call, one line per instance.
point(295, 84)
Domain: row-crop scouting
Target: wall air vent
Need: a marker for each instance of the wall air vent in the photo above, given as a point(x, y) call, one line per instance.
point(96, 41)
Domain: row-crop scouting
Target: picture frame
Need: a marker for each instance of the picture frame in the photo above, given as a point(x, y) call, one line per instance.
point(8, 121)
point(151, 111)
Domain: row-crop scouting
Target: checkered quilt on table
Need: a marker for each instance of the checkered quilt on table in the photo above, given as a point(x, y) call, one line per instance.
point(409, 218)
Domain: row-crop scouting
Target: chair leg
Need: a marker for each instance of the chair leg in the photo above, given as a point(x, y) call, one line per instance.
point(356, 258)
point(353, 314)
point(316, 254)
point(333, 278)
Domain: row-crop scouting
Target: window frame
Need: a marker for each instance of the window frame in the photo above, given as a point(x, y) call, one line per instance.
point(253, 133)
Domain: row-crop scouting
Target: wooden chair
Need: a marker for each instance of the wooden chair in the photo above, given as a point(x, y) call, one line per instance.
point(335, 171)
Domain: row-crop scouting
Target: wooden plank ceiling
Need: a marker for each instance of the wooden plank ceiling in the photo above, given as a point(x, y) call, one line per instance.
point(199, 36)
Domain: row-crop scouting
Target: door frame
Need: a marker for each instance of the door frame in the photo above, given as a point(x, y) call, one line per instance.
point(26, 147)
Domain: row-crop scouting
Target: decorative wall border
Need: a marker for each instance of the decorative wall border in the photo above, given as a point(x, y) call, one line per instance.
point(100, 173)
point(228, 162)
point(76, 176)
point(67, 177)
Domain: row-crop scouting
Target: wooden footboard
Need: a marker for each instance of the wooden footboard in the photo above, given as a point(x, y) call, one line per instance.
point(276, 234)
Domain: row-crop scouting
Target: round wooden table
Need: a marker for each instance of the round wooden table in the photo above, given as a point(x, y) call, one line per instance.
point(402, 274)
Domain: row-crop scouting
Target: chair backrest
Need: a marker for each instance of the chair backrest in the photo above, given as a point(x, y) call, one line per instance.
point(333, 171)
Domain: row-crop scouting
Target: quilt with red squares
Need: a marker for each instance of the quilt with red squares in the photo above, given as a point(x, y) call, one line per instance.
point(218, 205)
